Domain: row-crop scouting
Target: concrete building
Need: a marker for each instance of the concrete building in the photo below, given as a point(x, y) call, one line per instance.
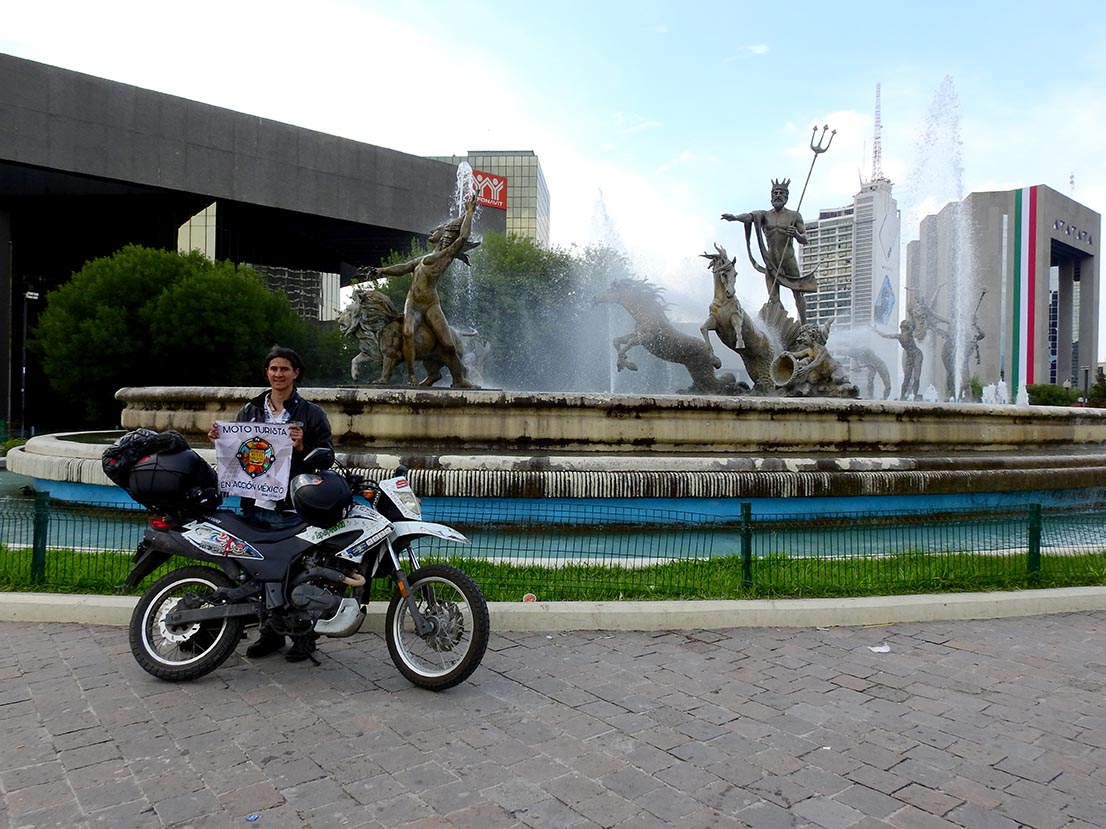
point(526, 200)
point(1018, 270)
point(854, 251)
point(89, 165)
point(313, 294)
point(829, 253)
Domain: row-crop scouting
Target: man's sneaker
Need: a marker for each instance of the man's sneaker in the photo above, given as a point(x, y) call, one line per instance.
point(269, 642)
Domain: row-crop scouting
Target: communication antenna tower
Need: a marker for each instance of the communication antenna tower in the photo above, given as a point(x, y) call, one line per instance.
point(877, 150)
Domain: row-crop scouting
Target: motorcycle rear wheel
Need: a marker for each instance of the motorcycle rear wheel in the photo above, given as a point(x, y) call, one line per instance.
point(182, 652)
point(453, 650)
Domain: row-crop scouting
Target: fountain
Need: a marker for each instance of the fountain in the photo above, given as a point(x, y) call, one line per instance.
point(693, 453)
point(947, 295)
point(696, 453)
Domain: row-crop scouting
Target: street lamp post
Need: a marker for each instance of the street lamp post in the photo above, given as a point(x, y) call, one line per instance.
point(28, 296)
point(1086, 385)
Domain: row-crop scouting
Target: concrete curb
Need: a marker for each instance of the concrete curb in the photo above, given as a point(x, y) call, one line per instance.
point(695, 615)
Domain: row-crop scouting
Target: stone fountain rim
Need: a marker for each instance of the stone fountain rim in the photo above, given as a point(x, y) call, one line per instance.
point(445, 397)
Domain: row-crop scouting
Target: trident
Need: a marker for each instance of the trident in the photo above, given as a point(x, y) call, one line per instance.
point(818, 149)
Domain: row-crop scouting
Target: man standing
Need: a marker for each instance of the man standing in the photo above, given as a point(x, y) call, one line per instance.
point(776, 230)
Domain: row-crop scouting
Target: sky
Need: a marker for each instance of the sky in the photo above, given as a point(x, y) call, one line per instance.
point(650, 118)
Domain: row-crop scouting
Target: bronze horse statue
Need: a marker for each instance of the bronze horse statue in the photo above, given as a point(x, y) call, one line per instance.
point(653, 331)
point(798, 366)
point(736, 329)
point(374, 321)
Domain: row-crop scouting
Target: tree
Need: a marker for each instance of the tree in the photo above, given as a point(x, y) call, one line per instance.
point(1045, 394)
point(522, 298)
point(215, 325)
point(533, 306)
point(151, 317)
point(1097, 393)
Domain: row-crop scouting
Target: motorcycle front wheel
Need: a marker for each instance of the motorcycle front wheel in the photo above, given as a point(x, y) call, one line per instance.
point(456, 609)
point(182, 652)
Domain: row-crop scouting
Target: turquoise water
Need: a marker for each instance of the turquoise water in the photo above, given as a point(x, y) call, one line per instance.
point(645, 530)
point(12, 485)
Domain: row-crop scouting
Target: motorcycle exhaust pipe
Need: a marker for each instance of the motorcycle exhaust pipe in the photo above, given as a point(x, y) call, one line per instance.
point(332, 576)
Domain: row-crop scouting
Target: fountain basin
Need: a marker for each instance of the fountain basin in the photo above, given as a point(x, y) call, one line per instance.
point(696, 454)
point(437, 421)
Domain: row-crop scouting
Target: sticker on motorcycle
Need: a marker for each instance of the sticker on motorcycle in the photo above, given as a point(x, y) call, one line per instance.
point(314, 535)
point(216, 542)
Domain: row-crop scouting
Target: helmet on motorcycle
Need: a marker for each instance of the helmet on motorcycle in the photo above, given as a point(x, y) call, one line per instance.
point(322, 499)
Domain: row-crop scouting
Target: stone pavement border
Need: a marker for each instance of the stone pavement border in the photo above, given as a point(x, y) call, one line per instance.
point(693, 615)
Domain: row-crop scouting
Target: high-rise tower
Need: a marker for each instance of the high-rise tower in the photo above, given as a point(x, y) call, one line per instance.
point(854, 250)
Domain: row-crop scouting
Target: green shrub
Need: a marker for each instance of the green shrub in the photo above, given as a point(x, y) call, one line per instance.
point(1044, 394)
point(8, 444)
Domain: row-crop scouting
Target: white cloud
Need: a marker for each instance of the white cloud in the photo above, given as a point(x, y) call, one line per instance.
point(753, 50)
point(633, 123)
point(643, 126)
point(686, 157)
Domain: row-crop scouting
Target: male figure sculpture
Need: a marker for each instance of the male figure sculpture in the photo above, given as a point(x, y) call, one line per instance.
point(776, 230)
point(423, 308)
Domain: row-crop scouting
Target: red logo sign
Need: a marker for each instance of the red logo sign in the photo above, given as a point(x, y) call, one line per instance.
point(490, 190)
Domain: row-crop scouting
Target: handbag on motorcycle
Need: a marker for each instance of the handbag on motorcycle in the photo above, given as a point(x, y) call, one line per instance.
point(176, 482)
point(119, 458)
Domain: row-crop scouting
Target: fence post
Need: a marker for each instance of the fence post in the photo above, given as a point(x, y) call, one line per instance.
point(1033, 563)
point(746, 545)
point(41, 530)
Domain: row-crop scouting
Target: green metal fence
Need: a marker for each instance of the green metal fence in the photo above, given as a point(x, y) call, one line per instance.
point(585, 551)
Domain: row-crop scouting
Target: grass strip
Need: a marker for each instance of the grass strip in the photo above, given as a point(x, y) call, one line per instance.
point(774, 576)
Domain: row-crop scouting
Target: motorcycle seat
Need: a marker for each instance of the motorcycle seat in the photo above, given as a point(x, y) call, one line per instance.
point(258, 531)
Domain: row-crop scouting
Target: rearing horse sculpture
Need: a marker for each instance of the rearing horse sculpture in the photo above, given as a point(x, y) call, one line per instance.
point(734, 327)
point(725, 311)
point(655, 333)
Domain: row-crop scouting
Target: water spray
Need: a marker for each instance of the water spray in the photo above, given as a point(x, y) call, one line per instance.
point(466, 186)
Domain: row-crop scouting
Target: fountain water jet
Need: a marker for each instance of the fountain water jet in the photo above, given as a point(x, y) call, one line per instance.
point(946, 290)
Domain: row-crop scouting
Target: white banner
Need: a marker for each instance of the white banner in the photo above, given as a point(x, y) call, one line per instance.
point(253, 460)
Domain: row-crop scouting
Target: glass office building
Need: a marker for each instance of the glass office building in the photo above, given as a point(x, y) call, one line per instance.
point(527, 193)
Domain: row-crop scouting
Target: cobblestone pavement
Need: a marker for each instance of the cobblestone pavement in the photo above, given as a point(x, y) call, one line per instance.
point(989, 724)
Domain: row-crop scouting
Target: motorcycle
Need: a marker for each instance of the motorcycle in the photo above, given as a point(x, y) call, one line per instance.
point(311, 578)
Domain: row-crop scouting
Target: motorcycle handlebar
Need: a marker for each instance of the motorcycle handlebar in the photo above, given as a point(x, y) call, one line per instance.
point(360, 485)
point(363, 485)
